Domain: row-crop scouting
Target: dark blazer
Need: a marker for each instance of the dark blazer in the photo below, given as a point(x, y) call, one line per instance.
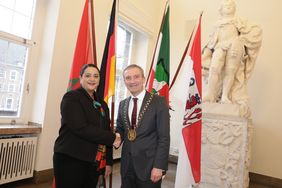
point(83, 128)
point(151, 146)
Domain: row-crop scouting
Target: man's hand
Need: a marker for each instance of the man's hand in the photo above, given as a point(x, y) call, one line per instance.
point(156, 174)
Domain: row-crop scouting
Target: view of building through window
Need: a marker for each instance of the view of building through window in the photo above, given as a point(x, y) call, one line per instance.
point(129, 43)
point(124, 45)
point(18, 21)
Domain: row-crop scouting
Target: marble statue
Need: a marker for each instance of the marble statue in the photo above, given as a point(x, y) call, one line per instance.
point(229, 57)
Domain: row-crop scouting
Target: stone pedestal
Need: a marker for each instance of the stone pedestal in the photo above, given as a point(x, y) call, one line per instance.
point(225, 147)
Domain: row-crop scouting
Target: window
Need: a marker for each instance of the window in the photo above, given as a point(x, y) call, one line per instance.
point(124, 45)
point(15, 35)
point(9, 103)
point(13, 75)
point(18, 16)
point(5, 88)
point(131, 47)
point(11, 88)
point(2, 73)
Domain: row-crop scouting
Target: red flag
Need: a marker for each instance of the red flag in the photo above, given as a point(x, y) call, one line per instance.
point(192, 124)
point(106, 87)
point(84, 50)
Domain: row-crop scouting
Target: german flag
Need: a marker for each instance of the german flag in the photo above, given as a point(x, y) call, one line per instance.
point(106, 87)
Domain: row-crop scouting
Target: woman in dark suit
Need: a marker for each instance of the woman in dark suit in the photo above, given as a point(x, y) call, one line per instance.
point(83, 149)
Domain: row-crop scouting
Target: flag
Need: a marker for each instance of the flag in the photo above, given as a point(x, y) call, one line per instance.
point(159, 73)
point(189, 159)
point(85, 50)
point(106, 87)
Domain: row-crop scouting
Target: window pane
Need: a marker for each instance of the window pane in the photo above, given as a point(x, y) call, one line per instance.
point(18, 17)
point(5, 24)
point(12, 65)
point(25, 7)
point(3, 54)
point(124, 38)
point(9, 104)
point(7, 3)
point(21, 25)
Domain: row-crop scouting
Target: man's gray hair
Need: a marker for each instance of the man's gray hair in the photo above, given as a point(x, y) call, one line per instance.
point(134, 66)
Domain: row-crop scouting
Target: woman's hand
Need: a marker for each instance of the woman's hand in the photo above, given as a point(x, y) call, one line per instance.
point(117, 141)
point(108, 170)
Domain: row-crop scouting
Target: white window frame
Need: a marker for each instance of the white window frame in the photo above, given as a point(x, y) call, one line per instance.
point(28, 43)
point(21, 117)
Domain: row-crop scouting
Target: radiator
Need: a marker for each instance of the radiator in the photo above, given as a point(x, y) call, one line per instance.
point(17, 156)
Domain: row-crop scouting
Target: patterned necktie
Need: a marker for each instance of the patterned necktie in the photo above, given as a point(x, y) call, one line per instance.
point(134, 113)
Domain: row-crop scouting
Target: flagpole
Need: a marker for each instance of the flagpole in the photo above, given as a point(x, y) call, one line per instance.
point(183, 56)
point(182, 60)
point(112, 127)
point(166, 5)
point(113, 96)
point(92, 23)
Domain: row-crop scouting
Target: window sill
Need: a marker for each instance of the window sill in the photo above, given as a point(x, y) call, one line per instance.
point(31, 128)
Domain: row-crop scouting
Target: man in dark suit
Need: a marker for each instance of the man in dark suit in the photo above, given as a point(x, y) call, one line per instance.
point(143, 126)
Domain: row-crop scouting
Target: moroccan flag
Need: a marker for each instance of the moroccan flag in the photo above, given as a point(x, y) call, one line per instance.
point(159, 74)
point(84, 50)
point(189, 159)
point(106, 87)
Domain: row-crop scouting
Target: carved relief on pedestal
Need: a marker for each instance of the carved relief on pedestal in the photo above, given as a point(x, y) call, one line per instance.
point(225, 153)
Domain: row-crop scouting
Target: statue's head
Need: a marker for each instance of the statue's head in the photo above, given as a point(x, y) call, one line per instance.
point(227, 8)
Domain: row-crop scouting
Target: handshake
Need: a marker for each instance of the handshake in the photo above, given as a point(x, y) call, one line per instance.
point(117, 141)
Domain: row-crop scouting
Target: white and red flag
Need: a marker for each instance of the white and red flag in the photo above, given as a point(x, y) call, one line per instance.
point(189, 159)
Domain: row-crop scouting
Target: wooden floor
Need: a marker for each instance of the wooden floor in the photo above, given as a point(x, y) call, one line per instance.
point(168, 181)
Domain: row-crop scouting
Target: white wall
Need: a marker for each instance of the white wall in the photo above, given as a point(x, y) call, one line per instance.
point(55, 60)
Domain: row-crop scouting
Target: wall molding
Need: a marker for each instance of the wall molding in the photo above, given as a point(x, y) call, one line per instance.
point(43, 176)
point(47, 175)
point(265, 180)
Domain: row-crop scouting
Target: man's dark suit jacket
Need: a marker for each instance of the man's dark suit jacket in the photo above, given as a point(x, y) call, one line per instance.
point(151, 147)
point(83, 128)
